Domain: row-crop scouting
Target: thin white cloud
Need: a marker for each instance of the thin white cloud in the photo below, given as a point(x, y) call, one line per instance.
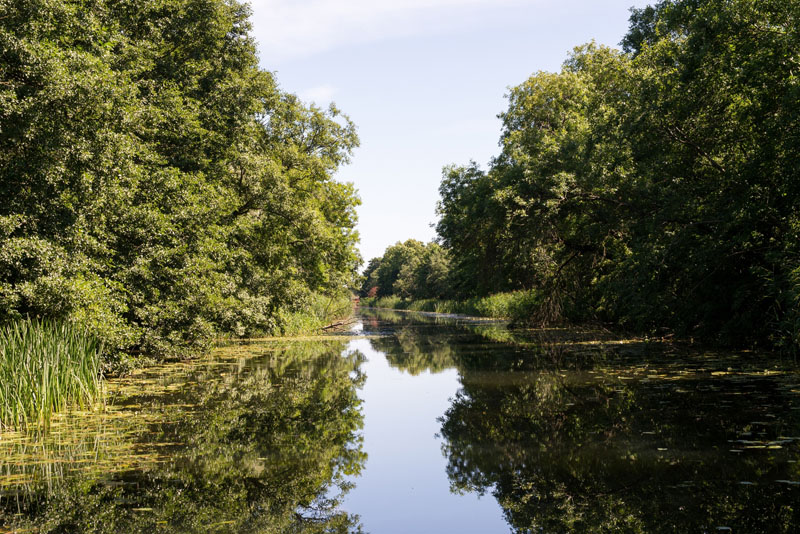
point(287, 29)
point(321, 95)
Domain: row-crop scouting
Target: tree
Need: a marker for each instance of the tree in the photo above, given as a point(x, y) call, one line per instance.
point(369, 282)
point(653, 188)
point(411, 270)
point(719, 242)
point(160, 187)
point(392, 263)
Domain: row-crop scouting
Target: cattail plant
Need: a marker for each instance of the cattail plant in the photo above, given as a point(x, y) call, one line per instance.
point(45, 367)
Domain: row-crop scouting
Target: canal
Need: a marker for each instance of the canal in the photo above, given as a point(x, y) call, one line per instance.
point(417, 423)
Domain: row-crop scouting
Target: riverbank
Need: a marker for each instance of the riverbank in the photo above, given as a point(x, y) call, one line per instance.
point(523, 309)
point(47, 367)
point(518, 306)
point(206, 445)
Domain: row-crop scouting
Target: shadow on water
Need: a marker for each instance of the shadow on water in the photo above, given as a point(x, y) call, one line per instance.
point(569, 430)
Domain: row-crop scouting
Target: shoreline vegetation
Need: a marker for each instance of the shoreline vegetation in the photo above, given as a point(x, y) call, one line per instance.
point(161, 190)
point(45, 367)
point(516, 305)
point(653, 188)
point(48, 366)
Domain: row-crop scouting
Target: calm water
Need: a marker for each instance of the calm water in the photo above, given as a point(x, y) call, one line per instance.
point(417, 423)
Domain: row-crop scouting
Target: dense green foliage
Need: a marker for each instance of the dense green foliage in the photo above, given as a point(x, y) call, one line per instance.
point(419, 277)
point(44, 367)
point(654, 188)
point(319, 312)
point(515, 305)
point(157, 185)
point(410, 270)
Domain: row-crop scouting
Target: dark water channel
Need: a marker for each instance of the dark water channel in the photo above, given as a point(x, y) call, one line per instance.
point(417, 423)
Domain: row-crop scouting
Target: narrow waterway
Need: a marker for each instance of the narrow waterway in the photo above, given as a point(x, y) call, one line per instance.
point(425, 424)
point(404, 485)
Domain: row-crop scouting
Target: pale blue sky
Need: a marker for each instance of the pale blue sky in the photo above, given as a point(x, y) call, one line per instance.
point(423, 80)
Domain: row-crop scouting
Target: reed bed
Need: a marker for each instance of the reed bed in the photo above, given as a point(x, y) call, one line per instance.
point(45, 367)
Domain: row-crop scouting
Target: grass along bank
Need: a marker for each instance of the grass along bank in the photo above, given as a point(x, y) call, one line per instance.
point(45, 367)
point(519, 306)
point(321, 311)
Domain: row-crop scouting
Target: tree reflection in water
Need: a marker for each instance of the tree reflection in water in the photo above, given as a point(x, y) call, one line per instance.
point(267, 447)
point(568, 431)
point(573, 436)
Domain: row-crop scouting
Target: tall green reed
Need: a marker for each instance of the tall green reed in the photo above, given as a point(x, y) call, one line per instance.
point(45, 367)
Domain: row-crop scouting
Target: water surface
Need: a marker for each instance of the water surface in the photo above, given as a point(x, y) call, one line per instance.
point(422, 423)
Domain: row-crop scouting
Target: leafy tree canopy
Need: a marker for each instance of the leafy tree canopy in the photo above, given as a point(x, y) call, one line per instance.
point(158, 185)
point(652, 188)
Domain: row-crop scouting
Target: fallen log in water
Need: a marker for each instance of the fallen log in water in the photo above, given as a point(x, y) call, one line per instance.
point(339, 324)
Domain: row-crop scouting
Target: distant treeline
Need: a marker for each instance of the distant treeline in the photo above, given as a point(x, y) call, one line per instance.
point(157, 185)
point(657, 187)
point(411, 270)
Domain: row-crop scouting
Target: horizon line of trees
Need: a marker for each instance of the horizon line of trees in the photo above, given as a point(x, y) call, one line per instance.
point(411, 270)
point(158, 186)
point(656, 187)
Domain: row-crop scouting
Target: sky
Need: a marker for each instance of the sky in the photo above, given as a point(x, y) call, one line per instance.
point(423, 80)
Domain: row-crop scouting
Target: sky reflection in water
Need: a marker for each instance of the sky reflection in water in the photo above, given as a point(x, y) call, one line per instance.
point(404, 486)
